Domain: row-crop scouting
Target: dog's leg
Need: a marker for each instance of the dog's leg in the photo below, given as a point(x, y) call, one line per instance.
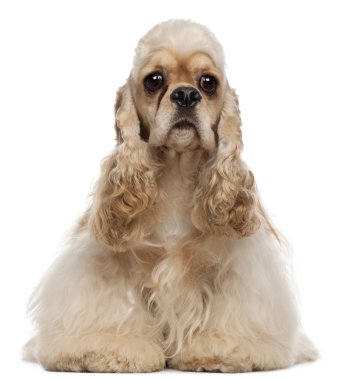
point(89, 315)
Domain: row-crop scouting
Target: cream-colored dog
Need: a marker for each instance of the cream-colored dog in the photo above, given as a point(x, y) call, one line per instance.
point(175, 262)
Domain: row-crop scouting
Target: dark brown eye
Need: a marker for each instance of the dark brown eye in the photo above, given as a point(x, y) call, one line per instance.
point(208, 84)
point(153, 82)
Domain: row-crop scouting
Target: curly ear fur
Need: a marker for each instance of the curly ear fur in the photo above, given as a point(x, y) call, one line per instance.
point(226, 200)
point(125, 192)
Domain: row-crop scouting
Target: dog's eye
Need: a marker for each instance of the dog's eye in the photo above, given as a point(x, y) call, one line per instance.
point(153, 82)
point(208, 84)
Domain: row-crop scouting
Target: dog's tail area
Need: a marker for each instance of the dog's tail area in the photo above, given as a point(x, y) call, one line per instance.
point(305, 350)
point(28, 351)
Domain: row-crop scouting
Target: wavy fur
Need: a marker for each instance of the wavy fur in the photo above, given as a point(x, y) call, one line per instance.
point(127, 188)
point(226, 200)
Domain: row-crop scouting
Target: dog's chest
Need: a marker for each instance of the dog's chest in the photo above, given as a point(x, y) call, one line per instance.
point(173, 210)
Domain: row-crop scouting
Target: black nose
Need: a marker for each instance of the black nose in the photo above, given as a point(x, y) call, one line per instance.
point(185, 96)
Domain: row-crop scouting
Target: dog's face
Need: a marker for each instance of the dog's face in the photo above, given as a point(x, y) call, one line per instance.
point(176, 89)
point(179, 99)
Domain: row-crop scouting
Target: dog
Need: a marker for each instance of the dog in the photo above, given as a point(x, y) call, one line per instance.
point(175, 263)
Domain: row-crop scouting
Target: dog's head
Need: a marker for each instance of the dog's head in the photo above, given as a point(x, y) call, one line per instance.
point(177, 86)
point(177, 97)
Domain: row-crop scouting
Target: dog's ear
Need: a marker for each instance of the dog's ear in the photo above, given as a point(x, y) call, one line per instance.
point(127, 122)
point(226, 200)
point(125, 193)
point(118, 102)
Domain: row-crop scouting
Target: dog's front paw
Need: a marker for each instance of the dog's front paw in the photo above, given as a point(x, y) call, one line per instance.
point(226, 354)
point(210, 363)
point(130, 355)
point(104, 362)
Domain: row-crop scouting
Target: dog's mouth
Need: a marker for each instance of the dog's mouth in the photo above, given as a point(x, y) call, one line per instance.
point(183, 135)
point(184, 124)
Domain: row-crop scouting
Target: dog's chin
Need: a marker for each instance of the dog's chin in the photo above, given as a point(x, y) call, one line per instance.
point(183, 136)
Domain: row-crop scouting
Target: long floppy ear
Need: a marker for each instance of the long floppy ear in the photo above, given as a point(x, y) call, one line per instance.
point(226, 200)
point(125, 193)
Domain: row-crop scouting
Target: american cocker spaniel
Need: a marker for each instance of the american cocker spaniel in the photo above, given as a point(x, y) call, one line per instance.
point(175, 263)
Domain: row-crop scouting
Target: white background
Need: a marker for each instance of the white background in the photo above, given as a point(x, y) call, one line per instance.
point(295, 65)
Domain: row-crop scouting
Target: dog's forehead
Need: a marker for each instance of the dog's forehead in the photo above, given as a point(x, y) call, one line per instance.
point(172, 62)
point(185, 38)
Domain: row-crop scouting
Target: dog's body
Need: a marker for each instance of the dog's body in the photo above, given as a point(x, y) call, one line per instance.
point(175, 261)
